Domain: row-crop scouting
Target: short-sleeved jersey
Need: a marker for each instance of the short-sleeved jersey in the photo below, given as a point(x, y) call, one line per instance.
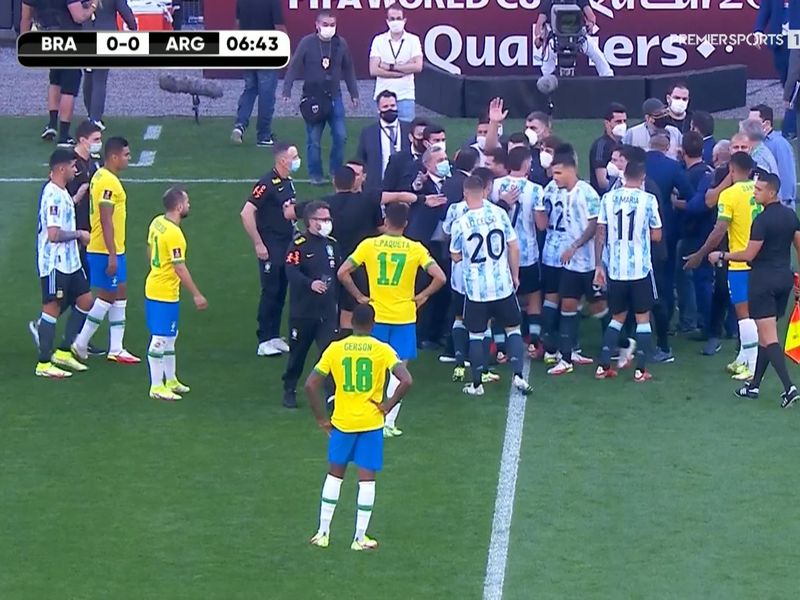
point(392, 262)
point(455, 211)
point(106, 189)
point(581, 206)
point(629, 214)
point(167, 248)
point(737, 206)
point(482, 236)
point(269, 195)
point(555, 241)
point(775, 227)
point(358, 365)
point(522, 214)
point(56, 209)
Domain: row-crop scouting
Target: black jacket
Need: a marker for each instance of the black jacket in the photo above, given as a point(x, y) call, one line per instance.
point(369, 152)
point(311, 258)
point(401, 172)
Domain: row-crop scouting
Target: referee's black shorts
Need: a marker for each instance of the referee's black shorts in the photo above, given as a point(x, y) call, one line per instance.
point(768, 292)
point(504, 311)
point(69, 80)
point(637, 295)
point(346, 302)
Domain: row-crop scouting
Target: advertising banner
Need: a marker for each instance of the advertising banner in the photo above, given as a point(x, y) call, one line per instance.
point(495, 37)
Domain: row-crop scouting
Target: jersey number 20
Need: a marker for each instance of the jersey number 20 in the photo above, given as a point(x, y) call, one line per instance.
point(495, 245)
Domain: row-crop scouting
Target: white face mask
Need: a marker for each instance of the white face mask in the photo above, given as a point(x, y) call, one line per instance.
point(678, 106)
point(612, 170)
point(95, 147)
point(327, 33)
point(619, 130)
point(396, 26)
point(441, 145)
point(532, 136)
point(545, 159)
point(325, 228)
point(481, 141)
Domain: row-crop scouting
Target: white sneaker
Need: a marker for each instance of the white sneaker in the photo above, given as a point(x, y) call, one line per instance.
point(522, 385)
point(100, 125)
point(471, 390)
point(267, 349)
point(33, 327)
point(279, 345)
point(626, 354)
point(580, 359)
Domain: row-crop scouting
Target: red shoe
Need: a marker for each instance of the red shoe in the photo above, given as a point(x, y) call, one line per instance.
point(124, 358)
point(641, 376)
point(602, 373)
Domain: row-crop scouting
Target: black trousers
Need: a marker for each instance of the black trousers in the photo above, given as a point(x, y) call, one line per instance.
point(661, 315)
point(432, 323)
point(273, 290)
point(304, 333)
point(720, 301)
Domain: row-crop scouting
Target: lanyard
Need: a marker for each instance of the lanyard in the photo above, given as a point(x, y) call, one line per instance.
point(399, 48)
point(391, 134)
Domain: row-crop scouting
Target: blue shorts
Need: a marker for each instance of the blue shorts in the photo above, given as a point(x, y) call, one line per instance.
point(97, 271)
point(737, 286)
point(161, 317)
point(364, 448)
point(402, 338)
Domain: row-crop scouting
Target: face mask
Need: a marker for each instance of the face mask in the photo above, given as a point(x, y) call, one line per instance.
point(612, 170)
point(545, 159)
point(327, 33)
point(660, 122)
point(532, 136)
point(443, 169)
point(396, 26)
point(619, 130)
point(295, 166)
point(325, 228)
point(95, 147)
point(441, 145)
point(481, 141)
point(389, 116)
point(678, 106)
point(419, 146)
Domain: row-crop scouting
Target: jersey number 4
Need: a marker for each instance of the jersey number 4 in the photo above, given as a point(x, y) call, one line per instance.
point(358, 379)
point(399, 262)
point(620, 225)
point(495, 243)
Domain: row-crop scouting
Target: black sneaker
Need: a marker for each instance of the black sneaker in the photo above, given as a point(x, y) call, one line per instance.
point(746, 392)
point(66, 143)
point(49, 133)
point(95, 351)
point(289, 399)
point(788, 398)
point(266, 143)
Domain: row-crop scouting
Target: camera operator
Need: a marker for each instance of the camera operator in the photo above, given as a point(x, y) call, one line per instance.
point(547, 38)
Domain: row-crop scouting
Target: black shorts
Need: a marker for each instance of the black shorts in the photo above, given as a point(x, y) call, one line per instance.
point(346, 301)
point(530, 280)
point(64, 288)
point(457, 302)
point(69, 80)
point(579, 285)
point(768, 292)
point(551, 279)
point(637, 295)
point(505, 311)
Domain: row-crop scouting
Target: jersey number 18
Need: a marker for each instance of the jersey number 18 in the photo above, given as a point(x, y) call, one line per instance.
point(358, 379)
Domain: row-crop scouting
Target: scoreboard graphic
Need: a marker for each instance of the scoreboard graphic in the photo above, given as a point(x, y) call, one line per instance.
point(154, 49)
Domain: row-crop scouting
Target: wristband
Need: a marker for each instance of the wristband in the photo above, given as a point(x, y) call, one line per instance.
point(421, 198)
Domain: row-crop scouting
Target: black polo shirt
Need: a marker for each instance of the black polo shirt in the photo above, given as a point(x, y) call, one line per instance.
point(599, 156)
point(53, 14)
point(775, 226)
point(356, 216)
point(84, 170)
point(256, 15)
point(269, 196)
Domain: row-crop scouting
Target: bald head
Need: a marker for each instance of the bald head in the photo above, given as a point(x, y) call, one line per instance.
point(740, 143)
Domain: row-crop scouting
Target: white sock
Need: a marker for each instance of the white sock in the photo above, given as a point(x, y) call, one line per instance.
point(330, 496)
point(748, 335)
point(155, 358)
point(364, 503)
point(95, 316)
point(169, 358)
point(391, 417)
point(116, 322)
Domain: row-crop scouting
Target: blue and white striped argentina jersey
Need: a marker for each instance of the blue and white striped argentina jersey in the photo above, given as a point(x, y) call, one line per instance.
point(582, 206)
point(521, 214)
point(629, 214)
point(553, 201)
point(56, 209)
point(482, 236)
point(454, 211)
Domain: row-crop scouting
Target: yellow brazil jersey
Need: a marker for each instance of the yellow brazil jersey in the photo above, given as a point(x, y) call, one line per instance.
point(167, 248)
point(106, 188)
point(738, 208)
point(392, 262)
point(358, 365)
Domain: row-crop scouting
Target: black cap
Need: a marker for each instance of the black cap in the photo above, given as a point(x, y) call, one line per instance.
point(61, 156)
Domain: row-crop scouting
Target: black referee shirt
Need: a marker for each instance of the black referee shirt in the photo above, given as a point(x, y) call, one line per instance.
point(268, 196)
point(775, 226)
point(84, 170)
point(599, 156)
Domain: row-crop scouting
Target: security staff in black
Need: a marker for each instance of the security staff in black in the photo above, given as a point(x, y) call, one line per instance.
point(311, 265)
point(268, 218)
point(770, 281)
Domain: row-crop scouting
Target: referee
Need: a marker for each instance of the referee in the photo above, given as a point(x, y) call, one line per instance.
point(312, 261)
point(773, 233)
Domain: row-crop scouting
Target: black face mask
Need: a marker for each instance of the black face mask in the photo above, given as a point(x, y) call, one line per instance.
point(419, 146)
point(389, 116)
point(660, 122)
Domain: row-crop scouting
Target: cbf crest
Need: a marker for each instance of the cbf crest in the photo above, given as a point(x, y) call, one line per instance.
point(331, 260)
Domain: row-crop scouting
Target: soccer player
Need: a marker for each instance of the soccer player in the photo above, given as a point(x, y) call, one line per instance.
point(392, 261)
point(358, 365)
point(484, 239)
point(520, 204)
point(736, 211)
point(774, 233)
point(59, 262)
point(627, 223)
point(580, 209)
point(106, 254)
point(166, 252)
point(550, 219)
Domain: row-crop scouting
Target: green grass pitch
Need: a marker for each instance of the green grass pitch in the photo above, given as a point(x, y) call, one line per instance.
point(669, 490)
